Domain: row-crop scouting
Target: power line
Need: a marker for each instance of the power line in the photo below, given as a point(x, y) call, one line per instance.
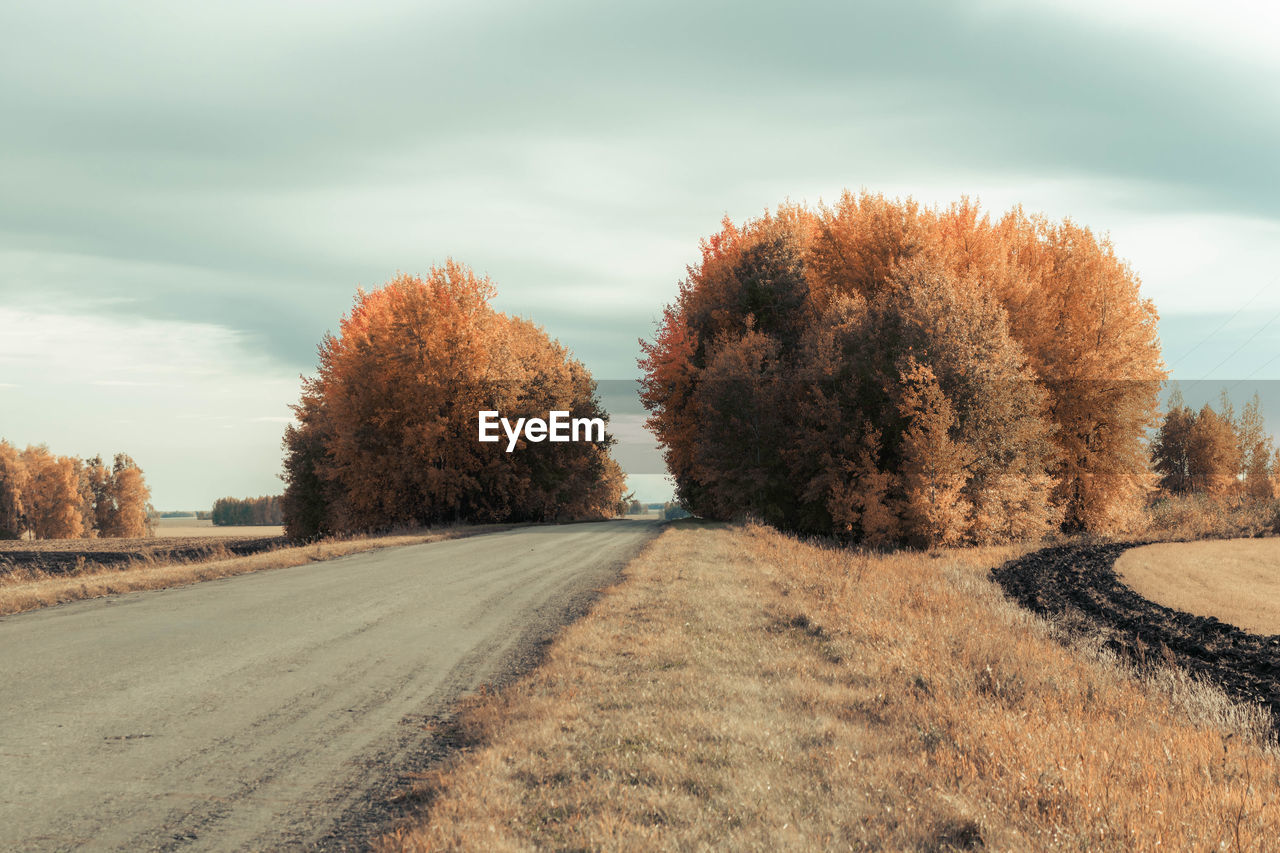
point(1248, 341)
point(1223, 325)
point(1257, 370)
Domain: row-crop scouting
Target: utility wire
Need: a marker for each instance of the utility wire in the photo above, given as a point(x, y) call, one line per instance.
point(1222, 325)
point(1258, 370)
point(1248, 341)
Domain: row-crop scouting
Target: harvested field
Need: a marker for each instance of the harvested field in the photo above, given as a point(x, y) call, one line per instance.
point(205, 527)
point(1079, 584)
point(1235, 580)
point(68, 556)
point(41, 574)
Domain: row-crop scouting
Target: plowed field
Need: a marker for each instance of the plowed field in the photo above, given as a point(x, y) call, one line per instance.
point(65, 556)
point(1080, 583)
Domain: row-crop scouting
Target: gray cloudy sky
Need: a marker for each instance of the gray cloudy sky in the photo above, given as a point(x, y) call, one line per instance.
point(190, 196)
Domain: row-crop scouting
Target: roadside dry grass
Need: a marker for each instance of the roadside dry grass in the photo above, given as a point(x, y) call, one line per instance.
point(24, 589)
point(1235, 580)
point(743, 690)
point(1182, 517)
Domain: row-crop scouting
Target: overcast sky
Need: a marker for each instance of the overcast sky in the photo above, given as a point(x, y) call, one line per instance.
point(190, 196)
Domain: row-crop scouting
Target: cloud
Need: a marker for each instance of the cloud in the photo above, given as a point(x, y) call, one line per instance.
point(1234, 32)
point(160, 391)
point(233, 171)
point(318, 150)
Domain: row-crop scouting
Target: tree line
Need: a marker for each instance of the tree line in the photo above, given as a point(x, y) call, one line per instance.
point(264, 510)
point(48, 496)
point(386, 431)
point(893, 373)
point(1216, 452)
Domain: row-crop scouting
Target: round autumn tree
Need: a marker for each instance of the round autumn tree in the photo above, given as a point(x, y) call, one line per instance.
point(386, 431)
point(1026, 341)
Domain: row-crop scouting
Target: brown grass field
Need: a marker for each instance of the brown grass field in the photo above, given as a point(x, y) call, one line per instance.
point(1236, 580)
point(743, 690)
point(150, 564)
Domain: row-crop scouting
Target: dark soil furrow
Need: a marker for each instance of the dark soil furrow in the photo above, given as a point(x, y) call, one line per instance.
point(1080, 582)
point(73, 556)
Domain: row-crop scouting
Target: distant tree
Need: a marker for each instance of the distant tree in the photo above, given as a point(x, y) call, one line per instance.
point(84, 488)
point(61, 497)
point(97, 476)
point(264, 511)
point(672, 511)
point(1215, 451)
point(51, 496)
point(1171, 449)
point(1275, 472)
point(1213, 454)
point(127, 500)
point(1255, 449)
point(13, 482)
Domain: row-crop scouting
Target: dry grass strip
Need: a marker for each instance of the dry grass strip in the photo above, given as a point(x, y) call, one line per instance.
point(24, 590)
point(742, 690)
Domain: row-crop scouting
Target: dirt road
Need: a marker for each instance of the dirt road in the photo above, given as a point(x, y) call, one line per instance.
point(271, 710)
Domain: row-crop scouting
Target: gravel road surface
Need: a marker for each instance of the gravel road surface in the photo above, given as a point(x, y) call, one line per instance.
point(274, 710)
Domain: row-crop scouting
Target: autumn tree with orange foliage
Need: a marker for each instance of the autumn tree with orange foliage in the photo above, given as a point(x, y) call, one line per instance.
point(13, 477)
point(52, 495)
point(1171, 449)
point(934, 464)
point(62, 497)
point(386, 430)
point(126, 513)
point(1214, 452)
point(890, 357)
point(1255, 450)
point(96, 492)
